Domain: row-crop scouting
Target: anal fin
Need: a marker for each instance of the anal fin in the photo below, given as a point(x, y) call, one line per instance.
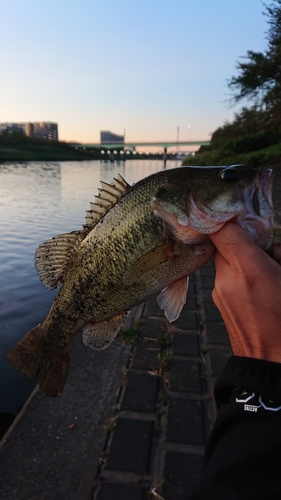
point(173, 298)
point(100, 335)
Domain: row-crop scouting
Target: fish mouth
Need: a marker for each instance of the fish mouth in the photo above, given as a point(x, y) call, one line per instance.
point(261, 197)
point(250, 206)
point(258, 218)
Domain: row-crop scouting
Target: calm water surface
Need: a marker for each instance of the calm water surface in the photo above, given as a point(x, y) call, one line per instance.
point(37, 201)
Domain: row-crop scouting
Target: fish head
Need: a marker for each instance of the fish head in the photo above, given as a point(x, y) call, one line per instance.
point(199, 201)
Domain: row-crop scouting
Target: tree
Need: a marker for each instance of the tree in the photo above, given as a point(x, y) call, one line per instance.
point(259, 76)
point(249, 121)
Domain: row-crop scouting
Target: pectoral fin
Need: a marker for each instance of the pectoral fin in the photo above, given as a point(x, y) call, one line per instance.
point(148, 262)
point(100, 335)
point(173, 298)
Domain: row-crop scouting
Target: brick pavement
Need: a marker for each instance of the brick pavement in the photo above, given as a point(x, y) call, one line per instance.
point(165, 409)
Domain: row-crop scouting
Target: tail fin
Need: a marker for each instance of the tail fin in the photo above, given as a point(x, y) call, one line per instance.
point(36, 358)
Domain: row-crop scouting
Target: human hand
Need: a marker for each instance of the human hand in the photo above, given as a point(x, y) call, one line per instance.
point(248, 293)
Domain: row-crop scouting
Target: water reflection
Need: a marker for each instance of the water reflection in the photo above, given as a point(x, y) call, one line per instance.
point(38, 201)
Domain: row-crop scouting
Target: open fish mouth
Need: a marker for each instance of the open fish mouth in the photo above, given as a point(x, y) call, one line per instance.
point(253, 211)
point(259, 218)
point(260, 195)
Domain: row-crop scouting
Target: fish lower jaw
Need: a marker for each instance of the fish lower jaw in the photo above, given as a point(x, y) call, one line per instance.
point(191, 238)
point(259, 228)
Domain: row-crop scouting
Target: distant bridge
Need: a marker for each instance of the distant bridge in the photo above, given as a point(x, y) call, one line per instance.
point(128, 145)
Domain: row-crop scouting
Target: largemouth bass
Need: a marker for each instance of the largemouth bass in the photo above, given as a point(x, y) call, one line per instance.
point(138, 241)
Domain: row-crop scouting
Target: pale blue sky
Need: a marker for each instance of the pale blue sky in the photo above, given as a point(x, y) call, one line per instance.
point(146, 66)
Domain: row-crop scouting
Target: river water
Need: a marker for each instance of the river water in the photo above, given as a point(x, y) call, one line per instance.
point(37, 201)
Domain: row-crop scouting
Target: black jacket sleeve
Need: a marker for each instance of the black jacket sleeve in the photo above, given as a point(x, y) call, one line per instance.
point(243, 454)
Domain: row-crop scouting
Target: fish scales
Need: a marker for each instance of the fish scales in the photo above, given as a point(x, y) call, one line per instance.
point(118, 241)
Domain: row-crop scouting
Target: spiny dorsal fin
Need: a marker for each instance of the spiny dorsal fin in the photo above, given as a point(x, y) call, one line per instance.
point(100, 335)
point(109, 195)
point(52, 256)
point(173, 298)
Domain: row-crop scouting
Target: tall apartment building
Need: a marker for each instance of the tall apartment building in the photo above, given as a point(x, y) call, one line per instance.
point(12, 127)
point(42, 130)
point(107, 136)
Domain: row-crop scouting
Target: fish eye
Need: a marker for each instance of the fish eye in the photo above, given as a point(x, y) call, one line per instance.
point(229, 174)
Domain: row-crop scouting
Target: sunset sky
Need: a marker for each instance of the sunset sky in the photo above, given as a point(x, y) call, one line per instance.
point(147, 66)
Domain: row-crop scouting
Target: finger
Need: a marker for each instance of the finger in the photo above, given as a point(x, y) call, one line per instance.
point(225, 274)
point(221, 264)
point(231, 240)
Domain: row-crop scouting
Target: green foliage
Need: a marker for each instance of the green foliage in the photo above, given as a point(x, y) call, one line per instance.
point(111, 423)
point(161, 406)
point(126, 374)
point(164, 361)
point(131, 335)
point(164, 341)
point(259, 74)
point(18, 147)
point(249, 121)
point(221, 156)
point(253, 142)
point(116, 408)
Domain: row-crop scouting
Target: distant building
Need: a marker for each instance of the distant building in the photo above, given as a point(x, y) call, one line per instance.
point(12, 127)
point(107, 136)
point(42, 130)
point(29, 128)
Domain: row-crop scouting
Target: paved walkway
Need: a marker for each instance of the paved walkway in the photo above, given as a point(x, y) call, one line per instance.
point(132, 422)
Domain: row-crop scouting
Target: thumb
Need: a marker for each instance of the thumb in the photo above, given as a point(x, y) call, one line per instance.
point(231, 240)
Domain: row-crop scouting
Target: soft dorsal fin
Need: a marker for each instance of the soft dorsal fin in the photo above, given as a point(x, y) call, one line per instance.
point(52, 256)
point(173, 298)
point(109, 195)
point(100, 335)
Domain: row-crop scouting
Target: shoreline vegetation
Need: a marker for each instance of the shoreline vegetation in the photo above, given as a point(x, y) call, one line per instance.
point(249, 149)
point(16, 147)
point(226, 155)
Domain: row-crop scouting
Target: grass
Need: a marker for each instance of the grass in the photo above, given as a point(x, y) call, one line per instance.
point(164, 341)
point(17, 147)
point(164, 361)
point(111, 423)
point(131, 335)
point(163, 400)
point(265, 156)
